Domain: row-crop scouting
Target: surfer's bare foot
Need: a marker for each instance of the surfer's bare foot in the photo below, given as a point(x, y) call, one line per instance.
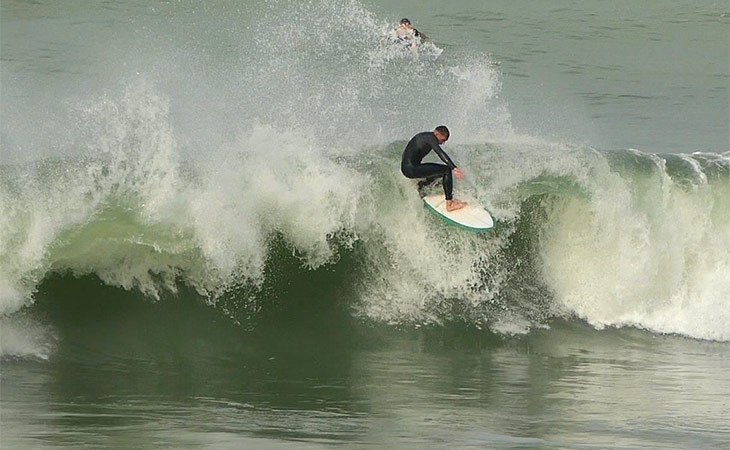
point(453, 205)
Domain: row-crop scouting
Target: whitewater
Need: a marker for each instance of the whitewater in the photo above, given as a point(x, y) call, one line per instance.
point(154, 184)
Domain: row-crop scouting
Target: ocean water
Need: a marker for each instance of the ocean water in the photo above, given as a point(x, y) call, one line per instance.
point(205, 240)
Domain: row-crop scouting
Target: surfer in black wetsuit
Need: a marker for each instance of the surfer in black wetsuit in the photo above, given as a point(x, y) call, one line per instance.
point(412, 167)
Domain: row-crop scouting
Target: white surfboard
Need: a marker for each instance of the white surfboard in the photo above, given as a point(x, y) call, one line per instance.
point(471, 217)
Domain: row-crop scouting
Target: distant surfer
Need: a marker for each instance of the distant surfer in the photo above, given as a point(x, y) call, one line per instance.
point(417, 148)
point(408, 35)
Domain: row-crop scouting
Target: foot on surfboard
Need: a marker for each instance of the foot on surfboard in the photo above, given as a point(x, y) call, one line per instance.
point(453, 205)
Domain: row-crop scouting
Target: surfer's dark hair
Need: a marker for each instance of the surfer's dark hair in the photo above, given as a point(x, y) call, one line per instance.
point(443, 130)
point(404, 20)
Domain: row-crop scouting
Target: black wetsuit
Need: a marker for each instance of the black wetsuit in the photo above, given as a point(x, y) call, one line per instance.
point(418, 147)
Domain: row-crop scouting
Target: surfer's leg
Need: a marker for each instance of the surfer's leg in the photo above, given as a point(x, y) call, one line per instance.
point(448, 185)
point(427, 170)
point(423, 184)
point(432, 172)
point(451, 204)
point(428, 181)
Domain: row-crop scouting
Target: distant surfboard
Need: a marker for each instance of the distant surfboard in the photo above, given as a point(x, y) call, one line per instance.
point(471, 217)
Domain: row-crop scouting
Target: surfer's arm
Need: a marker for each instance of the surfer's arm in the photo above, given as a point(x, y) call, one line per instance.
point(458, 173)
point(444, 157)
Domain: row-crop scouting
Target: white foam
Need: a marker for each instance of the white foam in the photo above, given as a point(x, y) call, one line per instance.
point(653, 255)
point(21, 337)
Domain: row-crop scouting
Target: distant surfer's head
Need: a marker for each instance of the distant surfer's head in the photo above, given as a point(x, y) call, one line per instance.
point(441, 133)
point(405, 21)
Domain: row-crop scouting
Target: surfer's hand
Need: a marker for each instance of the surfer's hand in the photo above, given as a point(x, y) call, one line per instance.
point(458, 173)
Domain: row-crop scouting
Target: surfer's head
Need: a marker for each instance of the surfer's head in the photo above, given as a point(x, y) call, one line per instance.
point(405, 23)
point(442, 133)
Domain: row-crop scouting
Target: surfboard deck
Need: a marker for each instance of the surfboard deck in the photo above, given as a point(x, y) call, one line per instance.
point(471, 217)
